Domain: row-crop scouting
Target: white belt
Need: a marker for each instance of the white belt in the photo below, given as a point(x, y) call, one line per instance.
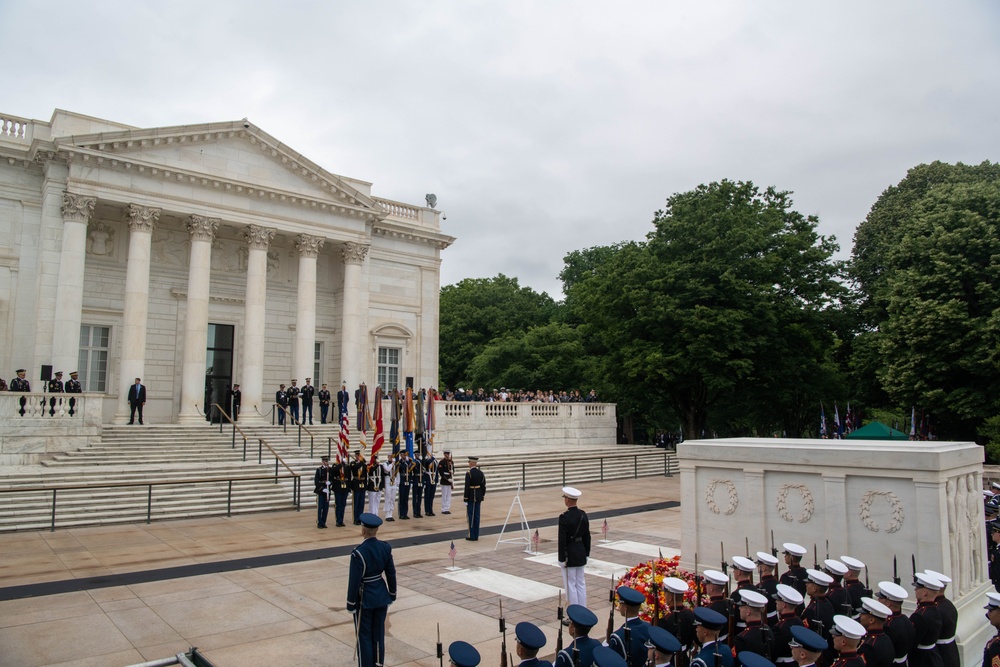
point(375, 578)
point(785, 659)
point(946, 641)
point(926, 647)
point(899, 661)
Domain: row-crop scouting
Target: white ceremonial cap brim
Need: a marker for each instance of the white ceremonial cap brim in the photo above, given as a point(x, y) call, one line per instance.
point(929, 582)
point(716, 577)
point(789, 594)
point(744, 563)
point(943, 578)
point(852, 563)
point(875, 608)
point(675, 585)
point(752, 599)
point(892, 591)
point(820, 578)
point(848, 627)
point(992, 600)
point(835, 567)
point(766, 558)
point(570, 492)
point(794, 549)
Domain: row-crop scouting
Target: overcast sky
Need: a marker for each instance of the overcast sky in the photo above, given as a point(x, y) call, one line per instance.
point(543, 127)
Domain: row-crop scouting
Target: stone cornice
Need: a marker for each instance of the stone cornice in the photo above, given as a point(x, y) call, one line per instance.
point(77, 208)
point(339, 202)
point(182, 293)
point(141, 218)
point(201, 228)
point(390, 230)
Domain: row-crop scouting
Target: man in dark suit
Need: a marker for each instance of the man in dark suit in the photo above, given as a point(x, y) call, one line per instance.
point(343, 399)
point(136, 399)
point(237, 400)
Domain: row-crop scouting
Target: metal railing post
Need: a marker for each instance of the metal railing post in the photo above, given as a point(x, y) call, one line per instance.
point(564, 472)
point(635, 466)
point(300, 436)
point(244, 449)
point(260, 450)
point(329, 447)
point(311, 455)
point(229, 499)
point(53, 528)
point(275, 469)
point(234, 435)
point(524, 484)
point(149, 505)
point(602, 469)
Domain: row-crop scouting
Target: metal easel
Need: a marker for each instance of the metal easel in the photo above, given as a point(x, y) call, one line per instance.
point(525, 537)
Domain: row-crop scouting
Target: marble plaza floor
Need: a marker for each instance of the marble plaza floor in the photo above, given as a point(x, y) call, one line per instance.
point(270, 588)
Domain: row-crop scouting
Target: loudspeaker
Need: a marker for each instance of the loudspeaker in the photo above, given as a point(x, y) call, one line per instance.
point(46, 373)
point(409, 382)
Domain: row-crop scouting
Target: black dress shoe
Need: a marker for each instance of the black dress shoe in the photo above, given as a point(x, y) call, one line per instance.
point(357, 523)
point(431, 514)
point(418, 516)
point(341, 525)
point(469, 539)
point(445, 512)
point(404, 518)
point(130, 423)
point(389, 518)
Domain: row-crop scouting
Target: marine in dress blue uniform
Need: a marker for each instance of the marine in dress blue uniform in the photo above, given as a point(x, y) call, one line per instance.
point(580, 652)
point(341, 482)
point(359, 486)
point(529, 641)
point(847, 635)
point(633, 646)
point(371, 588)
point(926, 621)
point(322, 483)
point(949, 623)
point(73, 385)
point(794, 575)
point(429, 480)
point(876, 648)
point(898, 627)
point(991, 652)
point(708, 623)
point(404, 464)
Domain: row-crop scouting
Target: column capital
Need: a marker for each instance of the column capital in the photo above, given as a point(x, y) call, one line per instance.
point(141, 218)
point(257, 237)
point(309, 246)
point(354, 253)
point(77, 208)
point(201, 228)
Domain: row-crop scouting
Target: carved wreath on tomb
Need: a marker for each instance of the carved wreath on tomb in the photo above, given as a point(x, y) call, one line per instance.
point(807, 502)
point(734, 499)
point(894, 504)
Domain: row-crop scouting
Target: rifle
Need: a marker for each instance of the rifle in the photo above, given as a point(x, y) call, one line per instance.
point(440, 648)
point(747, 542)
point(627, 632)
point(559, 617)
point(731, 625)
point(503, 644)
point(697, 582)
point(611, 614)
point(895, 572)
point(913, 561)
point(656, 597)
point(774, 552)
point(828, 549)
point(815, 557)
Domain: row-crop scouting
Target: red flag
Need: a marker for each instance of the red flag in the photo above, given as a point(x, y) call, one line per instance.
point(379, 439)
point(345, 441)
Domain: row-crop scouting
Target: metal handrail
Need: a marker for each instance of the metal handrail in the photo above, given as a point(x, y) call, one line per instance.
point(260, 448)
point(295, 477)
point(667, 458)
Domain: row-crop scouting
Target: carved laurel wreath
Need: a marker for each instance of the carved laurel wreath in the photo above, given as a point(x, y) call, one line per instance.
point(734, 499)
point(866, 511)
point(807, 502)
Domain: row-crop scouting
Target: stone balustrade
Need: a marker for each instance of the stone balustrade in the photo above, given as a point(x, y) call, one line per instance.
point(35, 425)
point(484, 425)
point(13, 128)
point(398, 209)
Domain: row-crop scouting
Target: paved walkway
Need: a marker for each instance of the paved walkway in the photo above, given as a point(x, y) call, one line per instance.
point(270, 588)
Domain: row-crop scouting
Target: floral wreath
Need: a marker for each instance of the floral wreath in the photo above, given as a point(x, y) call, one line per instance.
point(640, 578)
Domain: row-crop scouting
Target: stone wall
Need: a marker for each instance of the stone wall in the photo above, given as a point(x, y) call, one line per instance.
point(45, 424)
point(872, 500)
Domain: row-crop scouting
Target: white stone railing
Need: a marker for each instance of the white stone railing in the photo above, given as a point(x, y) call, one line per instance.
point(398, 209)
point(13, 128)
point(15, 406)
point(34, 426)
point(476, 424)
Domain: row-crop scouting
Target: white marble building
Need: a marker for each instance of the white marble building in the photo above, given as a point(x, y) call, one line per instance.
point(196, 256)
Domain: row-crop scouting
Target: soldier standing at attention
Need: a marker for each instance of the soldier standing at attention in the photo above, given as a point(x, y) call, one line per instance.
point(463, 654)
point(819, 613)
point(757, 637)
point(403, 467)
point(56, 384)
point(715, 588)
point(994, 551)
point(375, 485)
point(475, 491)
point(788, 600)
point(768, 584)
point(293, 402)
point(359, 485)
point(949, 622)
point(390, 475)
point(898, 627)
point(281, 400)
point(574, 546)
point(847, 634)
point(663, 646)
point(73, 385)
point(807, 646)
point(677, 619)
point(417, 482)
point(19, 383)
point(529, 641)
point(713, 652)
point(795, 575)
point(307, 393)
point(446, 472)
point(634, 650)
point(341, 475)
point(429, 479)
point(837, 594)
point(926, 622)
point(991, 652)
point(371, 588)
point(324, 404)
point(322, 483)
point(855, 587)
point(876, 648)
point(580, 652)
point(237, 401)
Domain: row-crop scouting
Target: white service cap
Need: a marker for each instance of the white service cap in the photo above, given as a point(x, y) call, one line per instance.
point(943, 578)
point(570, 492)
point(788, 594)
point(890, 590)
point(794, 549)
point(834, 567)
point(875, 608)
point(852, 563)
point(924, 580)
point(716, 577)
point(675, 585)
point(744, 563)
point(766, 558)
point(847, 626)
point(753, 599)
point(818, 577)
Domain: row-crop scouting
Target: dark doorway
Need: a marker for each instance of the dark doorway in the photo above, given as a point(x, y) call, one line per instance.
point(218, 370)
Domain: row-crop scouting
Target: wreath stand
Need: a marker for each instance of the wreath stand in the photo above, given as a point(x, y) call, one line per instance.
point(525, 537)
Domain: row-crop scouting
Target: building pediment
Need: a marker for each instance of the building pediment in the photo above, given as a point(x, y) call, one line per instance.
point(234, 156)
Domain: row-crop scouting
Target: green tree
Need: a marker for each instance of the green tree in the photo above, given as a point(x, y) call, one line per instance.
point(728, 293)
point(475, 311)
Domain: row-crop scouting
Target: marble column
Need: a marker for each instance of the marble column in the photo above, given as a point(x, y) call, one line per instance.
point(351, 348)
point(76, 211)
point(305, 321)
point(251, 379)
point(141, 221)
point(202, 231)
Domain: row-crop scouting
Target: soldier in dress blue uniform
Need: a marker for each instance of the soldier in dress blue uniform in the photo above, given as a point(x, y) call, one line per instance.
point(416, 483)
point(807, 646)
point(633, 647)
point(473, 495)
point(323, 483)
point(819, 613)
point(403, 464)
point(836, 593)
point(757, 636)
point(794, 575)
point(715, 588)
point(949, 622)
point(846, 635)
point(20, 383)
point(359, 485)
point(662, 647)
point(994, 553)
point(307, 393)
point(787, 601)
point(876, 648)
point(768, 584)
point(324, 404)
point(371, 588)
point(463, 654)
point(281, 400)
point(293, 402)
point(926, 622)
point(606, 657)
point(529, 641)
point(855, 587)
point(898, 626)
point(73, 385)
point(341, 482)
point(429, 473)
point(580, 652)
point(751, 659)
point(56, 384)
point(991, 652)
point(713, 653)
point(677, 619)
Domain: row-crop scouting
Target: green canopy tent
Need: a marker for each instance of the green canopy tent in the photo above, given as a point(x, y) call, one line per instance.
point(877, 431)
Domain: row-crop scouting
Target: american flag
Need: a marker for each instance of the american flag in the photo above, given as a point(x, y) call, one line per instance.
point(604, 528)
point(452, 552)
point(534, 540)
point(345, 441)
